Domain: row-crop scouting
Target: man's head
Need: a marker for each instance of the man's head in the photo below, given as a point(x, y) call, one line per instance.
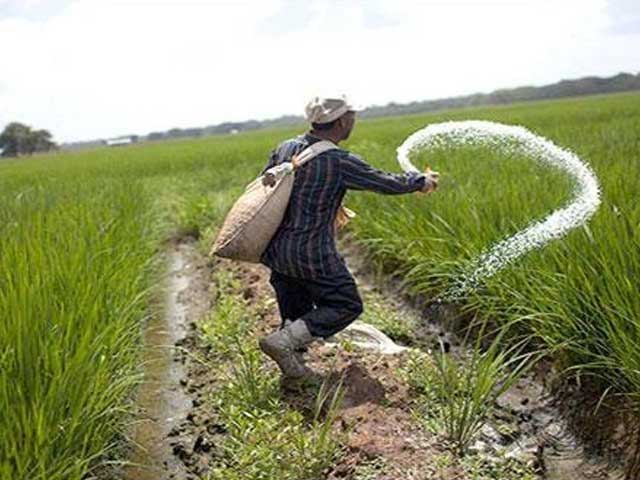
point(333, 117)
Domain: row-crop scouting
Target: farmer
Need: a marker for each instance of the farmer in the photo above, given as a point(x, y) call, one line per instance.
point(317, 296)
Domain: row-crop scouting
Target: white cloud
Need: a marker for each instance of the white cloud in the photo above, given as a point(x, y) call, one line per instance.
point(102, 68)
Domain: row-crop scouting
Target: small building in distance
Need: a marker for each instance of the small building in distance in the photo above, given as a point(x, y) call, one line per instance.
point(121, 141)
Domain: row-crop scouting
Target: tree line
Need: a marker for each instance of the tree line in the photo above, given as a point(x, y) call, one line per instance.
point(622, 82)
point(19, 139)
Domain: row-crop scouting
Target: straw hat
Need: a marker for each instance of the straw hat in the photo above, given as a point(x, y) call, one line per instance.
point(327, 109)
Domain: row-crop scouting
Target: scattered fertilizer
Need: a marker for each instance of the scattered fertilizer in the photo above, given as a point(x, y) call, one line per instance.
point(510, 139)
point(367, 336)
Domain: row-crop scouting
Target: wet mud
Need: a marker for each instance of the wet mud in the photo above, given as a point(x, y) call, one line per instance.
point(163, 399)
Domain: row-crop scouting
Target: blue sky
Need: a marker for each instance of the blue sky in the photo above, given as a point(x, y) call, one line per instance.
point(89, 69)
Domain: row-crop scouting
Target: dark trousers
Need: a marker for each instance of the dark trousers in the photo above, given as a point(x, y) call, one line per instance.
point(326, 304)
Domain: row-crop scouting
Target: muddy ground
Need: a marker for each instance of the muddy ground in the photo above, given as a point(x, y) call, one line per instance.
point(383, 439)
point(165, 399)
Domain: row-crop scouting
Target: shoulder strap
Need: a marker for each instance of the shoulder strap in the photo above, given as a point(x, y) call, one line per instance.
point(312, 151)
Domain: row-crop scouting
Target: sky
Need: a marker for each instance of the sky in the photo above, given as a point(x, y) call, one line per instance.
point(89, 69)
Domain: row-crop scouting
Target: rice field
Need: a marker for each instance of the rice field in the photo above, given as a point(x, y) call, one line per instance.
point(82, 238)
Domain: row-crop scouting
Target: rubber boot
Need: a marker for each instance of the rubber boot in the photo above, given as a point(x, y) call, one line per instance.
point(281, 346)
point(300, 351)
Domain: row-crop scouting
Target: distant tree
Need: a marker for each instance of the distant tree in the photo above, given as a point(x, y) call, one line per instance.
point(155, 136)
point(19, 139)
point(174, 133)
point(41, 141)
point(14, 139)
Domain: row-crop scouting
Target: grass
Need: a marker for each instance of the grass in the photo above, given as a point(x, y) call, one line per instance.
point(459, 393)
point(265, 438)
point(456, 397)
point(399, 326)
point(81, 237)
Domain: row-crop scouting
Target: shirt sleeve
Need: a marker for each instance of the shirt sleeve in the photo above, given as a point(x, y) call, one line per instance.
point(273, 156)
point(359, 175)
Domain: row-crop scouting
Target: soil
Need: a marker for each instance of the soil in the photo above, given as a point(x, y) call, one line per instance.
point(376, 417)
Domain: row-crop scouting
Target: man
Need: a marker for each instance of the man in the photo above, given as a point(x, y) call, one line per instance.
point(316, 294)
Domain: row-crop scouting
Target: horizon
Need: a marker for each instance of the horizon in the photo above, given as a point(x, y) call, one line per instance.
point(366, 107)
point(301, 114)
point(142, 81)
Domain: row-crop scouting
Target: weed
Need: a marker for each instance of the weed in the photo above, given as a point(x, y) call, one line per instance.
point(399, 327)
point(458, 394)
point(265, 438)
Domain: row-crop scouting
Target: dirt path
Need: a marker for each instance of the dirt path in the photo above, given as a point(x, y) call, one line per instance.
point(179, 432)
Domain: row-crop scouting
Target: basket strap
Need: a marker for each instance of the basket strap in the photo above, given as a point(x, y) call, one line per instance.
point(312, 151)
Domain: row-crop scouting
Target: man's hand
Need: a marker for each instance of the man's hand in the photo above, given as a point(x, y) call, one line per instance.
point(431, 181)
point(343, 216)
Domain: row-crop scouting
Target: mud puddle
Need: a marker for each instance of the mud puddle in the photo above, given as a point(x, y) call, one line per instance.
point(163, 400)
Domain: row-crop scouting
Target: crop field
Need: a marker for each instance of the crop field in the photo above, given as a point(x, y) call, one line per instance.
point(83, 239)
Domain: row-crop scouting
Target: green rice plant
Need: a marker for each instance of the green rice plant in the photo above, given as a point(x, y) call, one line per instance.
point(327, 405)
point(458, 393)
point(469, 390)
point(74, 290)
point(265, 439)
point(249, 386)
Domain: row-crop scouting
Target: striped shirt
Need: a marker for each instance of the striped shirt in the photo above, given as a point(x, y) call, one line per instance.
point(304, 245)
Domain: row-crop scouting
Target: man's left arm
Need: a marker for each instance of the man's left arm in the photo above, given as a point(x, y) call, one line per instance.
point(273, 159)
